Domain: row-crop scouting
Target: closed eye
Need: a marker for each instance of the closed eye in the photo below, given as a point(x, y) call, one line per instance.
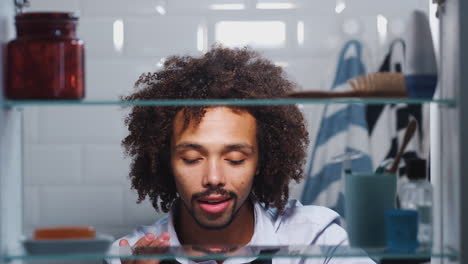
point(191, 161)
point(236, 162)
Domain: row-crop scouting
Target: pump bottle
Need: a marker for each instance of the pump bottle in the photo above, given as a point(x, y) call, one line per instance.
point(417, 194)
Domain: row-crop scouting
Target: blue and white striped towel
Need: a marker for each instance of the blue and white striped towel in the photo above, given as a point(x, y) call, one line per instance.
point(343, 129)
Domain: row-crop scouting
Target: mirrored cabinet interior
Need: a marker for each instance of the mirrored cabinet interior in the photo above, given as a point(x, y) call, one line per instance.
point(62, 162)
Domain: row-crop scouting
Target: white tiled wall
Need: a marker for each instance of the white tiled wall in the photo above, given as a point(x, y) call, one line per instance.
point(75, 173)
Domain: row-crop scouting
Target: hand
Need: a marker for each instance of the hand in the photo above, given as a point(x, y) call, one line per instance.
point(159, 244)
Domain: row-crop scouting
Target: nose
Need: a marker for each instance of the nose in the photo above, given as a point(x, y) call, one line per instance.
point(214, 176)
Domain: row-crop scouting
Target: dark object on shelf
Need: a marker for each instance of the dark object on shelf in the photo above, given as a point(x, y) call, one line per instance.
point(46, 60)
point(421, 86)
point(416, 169)
point(405, 261)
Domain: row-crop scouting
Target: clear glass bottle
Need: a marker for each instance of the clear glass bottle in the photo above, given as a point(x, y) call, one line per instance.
point(417, 194)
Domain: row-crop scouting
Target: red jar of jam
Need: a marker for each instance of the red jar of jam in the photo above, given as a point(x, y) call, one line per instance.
point(46, 60)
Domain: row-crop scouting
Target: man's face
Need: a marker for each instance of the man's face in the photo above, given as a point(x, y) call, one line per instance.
point(214, 164)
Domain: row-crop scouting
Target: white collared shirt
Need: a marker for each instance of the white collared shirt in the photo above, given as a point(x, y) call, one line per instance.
point(298, 225)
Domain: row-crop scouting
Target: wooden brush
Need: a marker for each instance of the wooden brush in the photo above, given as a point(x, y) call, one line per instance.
point(380, 84)
point(409, 132)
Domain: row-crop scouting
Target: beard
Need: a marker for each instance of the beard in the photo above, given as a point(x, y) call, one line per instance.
point(213, 221)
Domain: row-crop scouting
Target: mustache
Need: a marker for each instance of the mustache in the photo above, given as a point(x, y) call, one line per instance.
point(211, 191)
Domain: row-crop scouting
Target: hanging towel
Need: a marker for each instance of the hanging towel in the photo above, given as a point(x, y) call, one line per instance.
point(387, 122)
point(343, 129)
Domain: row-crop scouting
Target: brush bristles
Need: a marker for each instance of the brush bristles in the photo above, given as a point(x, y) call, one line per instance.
point(380, 84)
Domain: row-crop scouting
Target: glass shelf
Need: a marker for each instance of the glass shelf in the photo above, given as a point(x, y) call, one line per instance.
point(25, 103)
point(252, 252)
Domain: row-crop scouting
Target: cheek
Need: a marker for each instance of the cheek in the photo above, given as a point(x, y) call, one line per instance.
point(183, 184)
point(184, 175)
point(244, 184)
point(184, 192)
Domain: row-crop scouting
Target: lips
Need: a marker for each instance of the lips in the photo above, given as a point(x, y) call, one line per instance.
point(214, 205)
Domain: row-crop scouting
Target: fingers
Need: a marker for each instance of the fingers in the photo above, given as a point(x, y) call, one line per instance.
point(145, 241)
point(161, 241)
point(140, 247)
point(147, 245)
point(124, 243)
point(159, 245)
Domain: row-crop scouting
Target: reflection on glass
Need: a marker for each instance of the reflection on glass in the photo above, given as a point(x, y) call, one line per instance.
point(160, 6)
point(227, 6)
point(348, 155)
point(160, 9)
point(275, 6)
point(160, 63)
point(264, 34)
point(282, 64)
point(382, 24)
point(218, 252)
point(291, 253)
point(201, 38)
point(434, 23)
point(235, 251)
point(300, 33)
point(340, 6)
point(118, 35)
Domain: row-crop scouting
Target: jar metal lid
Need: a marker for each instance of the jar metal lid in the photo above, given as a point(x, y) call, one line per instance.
point(46, 16)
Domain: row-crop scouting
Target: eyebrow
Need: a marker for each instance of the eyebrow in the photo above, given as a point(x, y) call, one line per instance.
point(240, 147)
point(200, 148)
point(188, 146)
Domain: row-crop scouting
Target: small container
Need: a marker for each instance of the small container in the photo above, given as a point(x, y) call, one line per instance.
point(65, 232)
point(367, 196)
point(417, 194)
point(401, 230)
point(46, 60)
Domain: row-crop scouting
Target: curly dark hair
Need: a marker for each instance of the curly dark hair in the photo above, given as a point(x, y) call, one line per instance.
point(221, 73)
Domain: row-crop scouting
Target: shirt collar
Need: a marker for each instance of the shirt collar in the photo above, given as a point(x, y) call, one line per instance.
point(264, 233)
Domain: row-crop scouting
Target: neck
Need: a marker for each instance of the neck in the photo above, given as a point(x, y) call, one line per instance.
point(238, 232)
